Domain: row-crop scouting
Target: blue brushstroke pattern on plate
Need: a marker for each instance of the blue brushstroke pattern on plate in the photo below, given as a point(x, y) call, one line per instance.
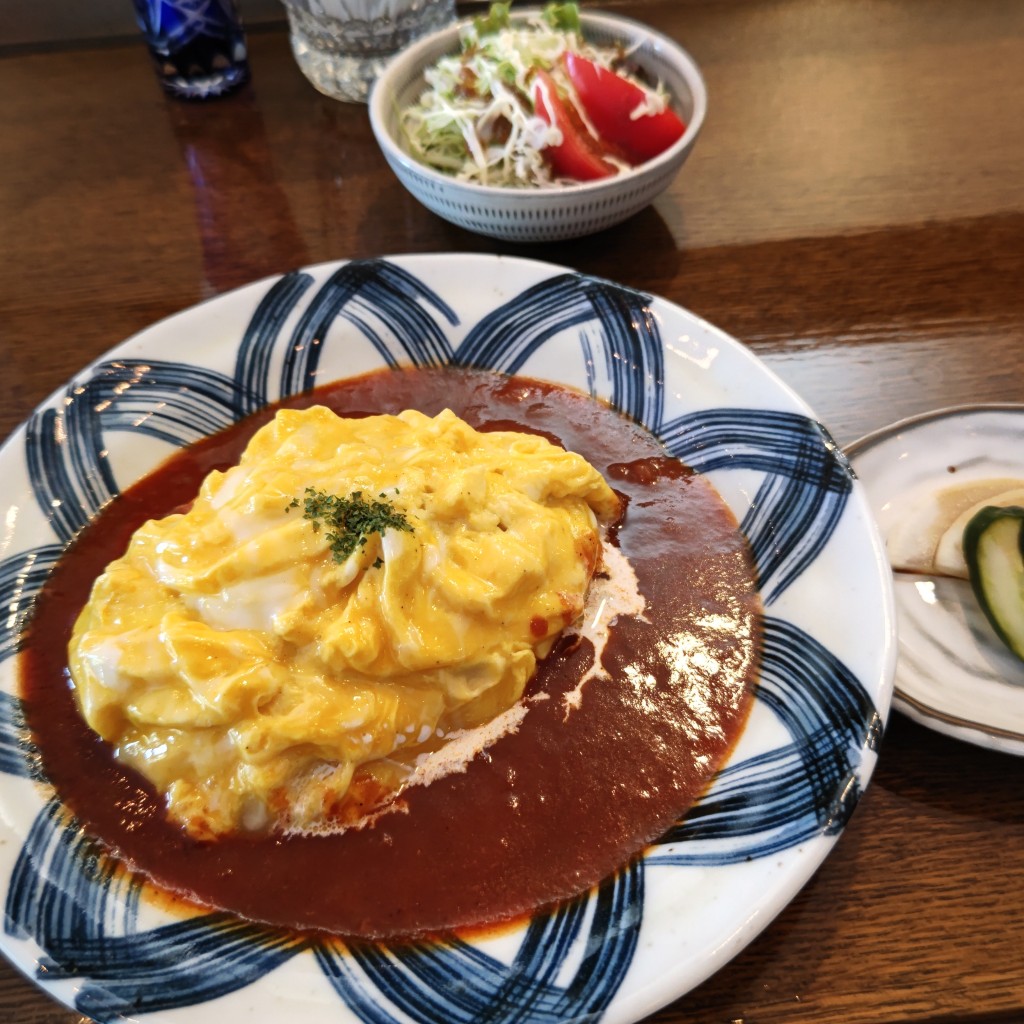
point(82, 909)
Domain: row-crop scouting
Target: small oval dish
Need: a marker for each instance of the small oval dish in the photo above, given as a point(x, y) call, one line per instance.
point(953, 674)
point(541, 214)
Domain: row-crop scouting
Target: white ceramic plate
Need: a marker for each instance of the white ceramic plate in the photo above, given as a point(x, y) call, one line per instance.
point(87, 933)
point(953, 673)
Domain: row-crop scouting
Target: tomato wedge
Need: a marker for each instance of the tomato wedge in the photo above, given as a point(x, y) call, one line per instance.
point(579, 155)
point(608, 100)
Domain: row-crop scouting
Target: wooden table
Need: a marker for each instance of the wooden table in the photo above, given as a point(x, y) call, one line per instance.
point(854, 212)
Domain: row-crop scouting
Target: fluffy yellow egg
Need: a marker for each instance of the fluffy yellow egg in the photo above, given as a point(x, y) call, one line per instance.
point(260, 676)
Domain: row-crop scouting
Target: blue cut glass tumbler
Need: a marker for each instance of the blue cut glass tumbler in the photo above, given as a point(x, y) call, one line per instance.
point(197, 46)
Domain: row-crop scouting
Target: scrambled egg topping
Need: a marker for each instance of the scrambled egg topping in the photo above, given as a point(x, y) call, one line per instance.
point(259, 682)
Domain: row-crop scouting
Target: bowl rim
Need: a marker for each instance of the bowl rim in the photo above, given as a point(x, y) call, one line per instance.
point(383, 90)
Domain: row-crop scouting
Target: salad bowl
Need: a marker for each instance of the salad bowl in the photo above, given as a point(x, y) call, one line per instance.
point(541, 213)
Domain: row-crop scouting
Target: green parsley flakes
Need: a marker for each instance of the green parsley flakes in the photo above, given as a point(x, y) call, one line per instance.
point(350, 521)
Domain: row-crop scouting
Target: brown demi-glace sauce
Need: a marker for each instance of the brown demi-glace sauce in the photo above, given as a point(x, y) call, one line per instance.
point(542, 814)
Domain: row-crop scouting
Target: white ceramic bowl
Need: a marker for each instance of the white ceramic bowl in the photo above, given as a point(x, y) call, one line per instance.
point(557, 212)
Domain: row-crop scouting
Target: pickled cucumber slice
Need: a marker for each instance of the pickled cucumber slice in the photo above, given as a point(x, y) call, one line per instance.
point(994, 551)
point(949, 553)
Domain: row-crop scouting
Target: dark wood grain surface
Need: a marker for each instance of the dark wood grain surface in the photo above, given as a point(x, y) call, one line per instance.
point(854, 212)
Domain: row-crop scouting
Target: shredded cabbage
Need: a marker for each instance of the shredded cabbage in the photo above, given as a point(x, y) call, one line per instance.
point(476, 121)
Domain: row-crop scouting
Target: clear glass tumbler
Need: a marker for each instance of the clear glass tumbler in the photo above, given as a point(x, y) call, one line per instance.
point(341, 45)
